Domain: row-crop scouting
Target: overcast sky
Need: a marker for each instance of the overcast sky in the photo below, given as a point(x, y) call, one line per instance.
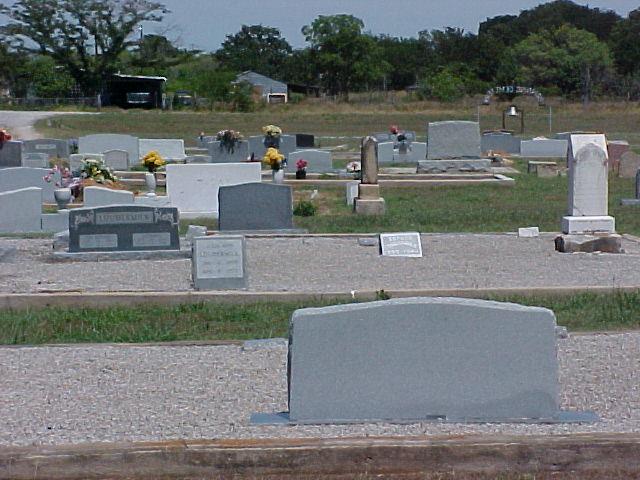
point(204, 24)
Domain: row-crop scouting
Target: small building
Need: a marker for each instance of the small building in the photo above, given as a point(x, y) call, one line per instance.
point(270, 90)
point(133, 91)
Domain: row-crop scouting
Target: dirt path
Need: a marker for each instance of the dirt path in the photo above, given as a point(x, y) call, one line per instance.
point(20, 124)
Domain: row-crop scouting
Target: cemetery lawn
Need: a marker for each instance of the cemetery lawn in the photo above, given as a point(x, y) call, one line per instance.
point(532, 201)
point(212, 322)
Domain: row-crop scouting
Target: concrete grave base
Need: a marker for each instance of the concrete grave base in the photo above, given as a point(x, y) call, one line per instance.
point(588, 224)
point(459, 165)
point(564, 416)
point(589, 243)
point(124, 255)
point(369, 207)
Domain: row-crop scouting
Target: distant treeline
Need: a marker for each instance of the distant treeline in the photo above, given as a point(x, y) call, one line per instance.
point(559, 48)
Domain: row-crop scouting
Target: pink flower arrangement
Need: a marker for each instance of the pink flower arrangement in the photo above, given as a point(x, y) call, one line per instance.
point(394, 129)
point(66, 178)
point(301, 164)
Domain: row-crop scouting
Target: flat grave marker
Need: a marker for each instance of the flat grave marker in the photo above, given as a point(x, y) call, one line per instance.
point(401, 244)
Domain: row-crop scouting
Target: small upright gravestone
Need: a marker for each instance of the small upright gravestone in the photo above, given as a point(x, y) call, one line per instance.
point(369, 201)
point(123, 228)
point(633, 201)
point(219, 262)
point(407, 360)
point(628, 164)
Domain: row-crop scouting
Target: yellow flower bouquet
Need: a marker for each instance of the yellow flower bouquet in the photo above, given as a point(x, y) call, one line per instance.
point(152, 161)
point(273, 158)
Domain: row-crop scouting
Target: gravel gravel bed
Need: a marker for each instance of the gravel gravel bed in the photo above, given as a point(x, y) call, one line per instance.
point(334, 264)
point(61, 395)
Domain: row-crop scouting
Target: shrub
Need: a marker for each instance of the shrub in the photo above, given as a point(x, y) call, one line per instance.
point(304, 208)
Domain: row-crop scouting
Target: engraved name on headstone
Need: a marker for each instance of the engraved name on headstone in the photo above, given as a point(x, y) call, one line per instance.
point(123, 228)
point(403, 244)
point(219, 262)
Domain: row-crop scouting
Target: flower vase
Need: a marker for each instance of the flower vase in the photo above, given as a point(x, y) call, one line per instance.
point(301, 174)
point(150, 181)
point(62, 197)
point(277, 176)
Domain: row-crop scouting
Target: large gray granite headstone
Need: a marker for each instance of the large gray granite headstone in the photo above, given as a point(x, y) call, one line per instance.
point(25, 177)
point(103, 142)
point(500, 142)
point(11, 154)
point(123, 228)
point(255, 206)
point(221, 154)
point(453, 139)
point(21, 210)
point(219, 262)
point(318, 161)
point(544, 148)
point(423, 358)
point(53, 147)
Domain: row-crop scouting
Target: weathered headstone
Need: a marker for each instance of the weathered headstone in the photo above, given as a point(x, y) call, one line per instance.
point(407, 360)
point(401, 244)
point(35, 160)
point(633, 201)
point(123, 228)
point(543, 148)
point(194, 188)
point(54, 148)
point(318, 161)
point(102, 197)
point(588, 186)
point(100, 143)
point(170, 149)
point(116, 159)
point(221, 154)
point(369, 201)
point(219, 262)
point(23, 177)
point(629, 165)
point(616, 148)
point(255, 206)
point(21, 210)
point(453, 139)
point(11, 154)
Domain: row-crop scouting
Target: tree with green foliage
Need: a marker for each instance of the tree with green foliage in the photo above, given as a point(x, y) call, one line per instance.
point(203, 76)
point(346, 59)
point(154, 55)
point(625, 43)
point(565, 60)
point(86, 37)
point(257, 48)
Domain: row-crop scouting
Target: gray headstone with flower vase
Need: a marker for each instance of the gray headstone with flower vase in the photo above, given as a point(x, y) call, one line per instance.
point(318, 161)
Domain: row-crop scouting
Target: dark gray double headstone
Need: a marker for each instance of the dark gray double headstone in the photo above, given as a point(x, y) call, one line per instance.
point(255, 206)
point(500, 142)
point(11, 154)
point(55, 148)
point(448, 359)
point(123, 228)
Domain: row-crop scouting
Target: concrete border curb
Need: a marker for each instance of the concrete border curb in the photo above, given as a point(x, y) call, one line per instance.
point(23, 301)
point(390, 457)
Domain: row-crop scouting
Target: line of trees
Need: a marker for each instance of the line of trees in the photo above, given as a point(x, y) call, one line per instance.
point(560, 48)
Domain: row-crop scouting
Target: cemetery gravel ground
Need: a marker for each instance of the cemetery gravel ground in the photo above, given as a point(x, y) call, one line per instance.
point(77, 394)
point(334, 264)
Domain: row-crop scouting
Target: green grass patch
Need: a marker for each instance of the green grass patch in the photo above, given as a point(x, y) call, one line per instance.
point(209, 321)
